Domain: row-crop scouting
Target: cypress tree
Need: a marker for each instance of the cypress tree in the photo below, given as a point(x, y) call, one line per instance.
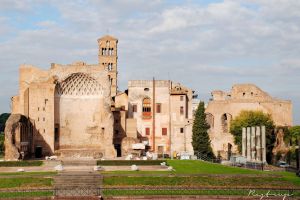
point(200, 138)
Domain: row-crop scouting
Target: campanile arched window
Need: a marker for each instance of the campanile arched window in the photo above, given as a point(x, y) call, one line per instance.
point(147, 108)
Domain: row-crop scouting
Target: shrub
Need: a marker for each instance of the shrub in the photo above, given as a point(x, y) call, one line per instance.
point(128, 162)
point(21, 163)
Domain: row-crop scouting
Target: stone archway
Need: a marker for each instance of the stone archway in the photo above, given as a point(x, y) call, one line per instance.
point(210, 120)
point(225, 122)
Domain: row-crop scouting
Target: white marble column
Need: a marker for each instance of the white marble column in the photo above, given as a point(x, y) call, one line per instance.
point(258, 144)
point(253, 145)
point(244, 142)
point(248, 144)
point(263, 143)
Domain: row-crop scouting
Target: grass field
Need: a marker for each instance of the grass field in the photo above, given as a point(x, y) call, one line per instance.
point(25, 194)
point(199, 173)
point(27, 174)
point(234, 192)
point(200, 181)
point(25, 182)
point(19, 180)
point(200, 167)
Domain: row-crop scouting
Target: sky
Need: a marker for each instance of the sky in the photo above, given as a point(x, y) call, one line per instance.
point(205, 45)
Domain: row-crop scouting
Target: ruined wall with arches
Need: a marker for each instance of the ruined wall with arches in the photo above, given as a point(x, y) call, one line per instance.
point(225, 106)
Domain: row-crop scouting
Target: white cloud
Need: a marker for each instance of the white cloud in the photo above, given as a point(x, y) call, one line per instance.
point(236, 41)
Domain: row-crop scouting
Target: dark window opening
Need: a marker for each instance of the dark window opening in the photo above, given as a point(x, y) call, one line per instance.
point(181, 110)
point(164, 131)
point(134, 108)
point(147, 131)
point(158, 108)
point(181, 130)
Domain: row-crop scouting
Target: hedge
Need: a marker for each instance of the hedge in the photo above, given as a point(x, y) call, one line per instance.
point(20, 163)
point(128, 162)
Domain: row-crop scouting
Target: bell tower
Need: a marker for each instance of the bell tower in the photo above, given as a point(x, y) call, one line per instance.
point(108, 59)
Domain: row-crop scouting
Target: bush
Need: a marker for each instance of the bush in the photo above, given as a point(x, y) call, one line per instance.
point(128, 162)
point(21, 163)
point(250, 118)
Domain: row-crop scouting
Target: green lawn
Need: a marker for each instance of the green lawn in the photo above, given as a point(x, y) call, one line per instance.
point(193, 167)
point(199, 181)
point(199, 173)
point(243, 193)
point(25, 182)
point(27, 174)
point(201, 167)
point(25, 194)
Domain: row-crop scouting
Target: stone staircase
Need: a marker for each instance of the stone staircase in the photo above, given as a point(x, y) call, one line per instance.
point(76, 182)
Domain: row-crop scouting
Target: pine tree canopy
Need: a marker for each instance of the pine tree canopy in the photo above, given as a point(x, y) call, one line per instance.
point(200, 138)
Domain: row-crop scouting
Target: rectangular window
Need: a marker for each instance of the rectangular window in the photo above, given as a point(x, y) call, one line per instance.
point(181, 110)
point(181, 130)
point(38, 108)
point(164, 131)
point(43, 118)
point(147, 131)
point(134, 108)
point(181, 98)
point(158, 108)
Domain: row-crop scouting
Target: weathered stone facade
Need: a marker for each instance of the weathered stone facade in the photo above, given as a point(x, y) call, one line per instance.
point(163, 111)
point(75, 111)
point(18, 137)
point(224, 107)
point(70, 107)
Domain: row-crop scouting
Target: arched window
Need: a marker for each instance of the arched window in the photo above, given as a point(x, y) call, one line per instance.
point(210, 119)
point(146, 108)
point(225, 121)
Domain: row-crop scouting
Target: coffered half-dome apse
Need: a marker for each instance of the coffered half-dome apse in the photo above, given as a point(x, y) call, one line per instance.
point(78, 105)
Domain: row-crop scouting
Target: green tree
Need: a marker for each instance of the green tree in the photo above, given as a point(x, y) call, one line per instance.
point(3, 119)
point(293, 135)
point(253, 118)
point(200, 138)
point(1, 144)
